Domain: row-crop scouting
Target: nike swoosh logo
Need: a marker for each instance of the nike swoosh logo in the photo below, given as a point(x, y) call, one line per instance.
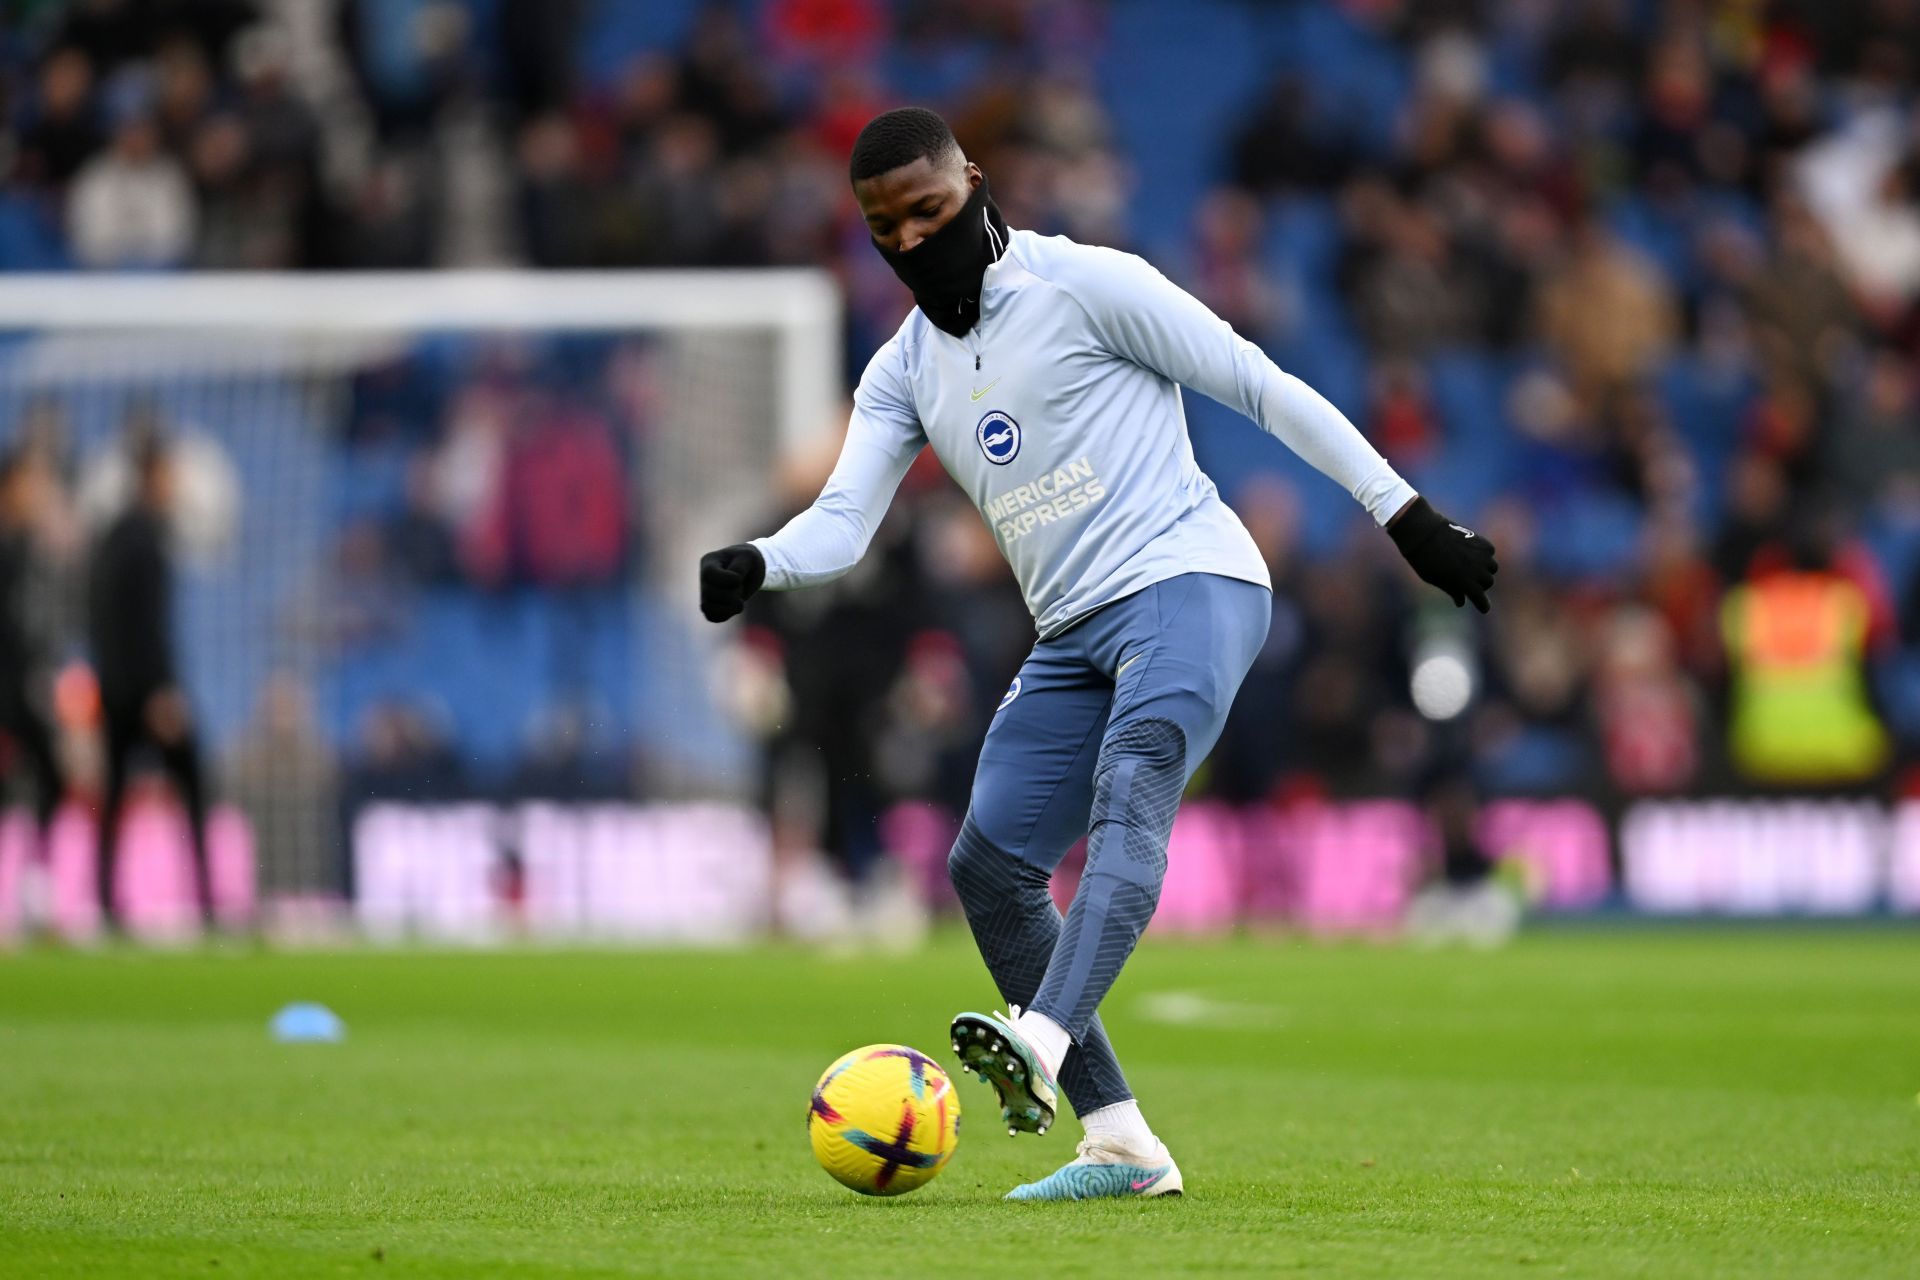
point(1141, 1184)
point(1129, 662)
point(990, 386)
point(1457, 528)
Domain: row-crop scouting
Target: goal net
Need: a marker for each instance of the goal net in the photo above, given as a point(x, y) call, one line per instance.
point(435, 540)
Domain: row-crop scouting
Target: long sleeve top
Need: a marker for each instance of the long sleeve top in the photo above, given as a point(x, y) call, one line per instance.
point(1059, 414)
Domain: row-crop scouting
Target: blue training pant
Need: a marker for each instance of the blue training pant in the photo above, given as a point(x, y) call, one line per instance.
point(1097, 736)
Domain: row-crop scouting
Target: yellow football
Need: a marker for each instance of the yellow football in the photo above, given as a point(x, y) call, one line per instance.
point(884, 1120)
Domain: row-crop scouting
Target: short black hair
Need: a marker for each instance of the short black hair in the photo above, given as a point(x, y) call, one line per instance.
point(899, 137)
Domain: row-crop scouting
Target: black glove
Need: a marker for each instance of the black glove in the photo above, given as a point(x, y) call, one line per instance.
point(1449, 556)
point(727, 578)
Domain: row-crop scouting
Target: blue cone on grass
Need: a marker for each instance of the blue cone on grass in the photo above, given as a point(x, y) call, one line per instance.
point(307, 1023)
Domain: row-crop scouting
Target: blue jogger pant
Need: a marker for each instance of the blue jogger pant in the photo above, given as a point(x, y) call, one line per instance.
point(1097, 736)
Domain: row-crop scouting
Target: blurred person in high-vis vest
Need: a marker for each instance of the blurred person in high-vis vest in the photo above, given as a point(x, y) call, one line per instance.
point(1797, 644)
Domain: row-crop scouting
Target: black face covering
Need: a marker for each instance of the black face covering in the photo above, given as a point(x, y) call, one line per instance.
point(944, 270)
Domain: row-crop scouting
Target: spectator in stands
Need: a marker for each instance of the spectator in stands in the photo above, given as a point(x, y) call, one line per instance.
point(1277, 149)
point(1871, 454)
point(1226, 272)
point(1648, 712)
point(534, 482)
point(1675, 136)
point(255, 167)
point(1088, 187)
point(283, 145)
point(142, 705)
point(1606, 313)
point(359, 601)
point(469, 471)
point(1591, 61)
point(1510, 186)
point(1758, 506)
point(1878, 239)
point(182, 93)
point(563, 512)
point(1651, 463)
point(234, 232)
point(1803, 314)
point(131, 206)
point(62, 134)
point(829, 31)
point(1782, 423)
point(1678, 582)
point(401, 754)
point(647, 92)
point(564, 762)
point(1538, 664)
point(557, 204)
point(1406, 286)
point(1400, 419)
point(420, 543)
point(388, 224)
point(723, 77)
point(674, 200)
point(284, 777)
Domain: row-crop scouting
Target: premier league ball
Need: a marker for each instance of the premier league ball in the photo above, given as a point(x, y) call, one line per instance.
point(884, 1120)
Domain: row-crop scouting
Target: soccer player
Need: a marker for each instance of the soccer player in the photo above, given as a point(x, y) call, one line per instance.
point(1046, 375)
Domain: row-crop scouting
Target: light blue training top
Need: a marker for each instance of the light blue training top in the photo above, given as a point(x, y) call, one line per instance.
point(1059, 414)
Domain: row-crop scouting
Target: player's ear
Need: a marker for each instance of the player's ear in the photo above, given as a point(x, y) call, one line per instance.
point(974, 176)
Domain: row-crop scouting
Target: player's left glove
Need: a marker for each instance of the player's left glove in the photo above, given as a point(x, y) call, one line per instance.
point(1446, 555)
point(728, 577)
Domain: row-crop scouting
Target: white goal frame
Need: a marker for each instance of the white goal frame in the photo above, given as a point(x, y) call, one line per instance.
point(699, 486)
point(802, 307)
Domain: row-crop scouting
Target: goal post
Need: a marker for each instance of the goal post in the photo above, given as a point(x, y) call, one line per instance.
point(327, 420)
point(800, 306)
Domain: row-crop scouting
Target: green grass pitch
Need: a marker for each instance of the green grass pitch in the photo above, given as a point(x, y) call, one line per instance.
point(1658, 1102)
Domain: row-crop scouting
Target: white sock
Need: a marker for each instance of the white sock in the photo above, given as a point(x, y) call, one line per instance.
point(1123, 1124)
point(1048, 1038)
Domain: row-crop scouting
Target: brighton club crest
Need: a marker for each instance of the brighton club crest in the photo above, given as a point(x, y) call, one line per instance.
point(999, 437)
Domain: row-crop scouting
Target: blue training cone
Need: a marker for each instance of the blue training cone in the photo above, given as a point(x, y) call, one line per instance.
point(306, 1023)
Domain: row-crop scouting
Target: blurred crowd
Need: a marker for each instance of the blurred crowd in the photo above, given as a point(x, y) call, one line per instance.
point(264, 134)
point(485, 484)
point(460, 633)
point(1630, 283)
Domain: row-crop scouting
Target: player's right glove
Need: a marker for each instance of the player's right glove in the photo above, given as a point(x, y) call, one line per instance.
point(1446, 555)
point(727, 578)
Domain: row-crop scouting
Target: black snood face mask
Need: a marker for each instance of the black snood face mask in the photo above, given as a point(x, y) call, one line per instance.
point(945, 269)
